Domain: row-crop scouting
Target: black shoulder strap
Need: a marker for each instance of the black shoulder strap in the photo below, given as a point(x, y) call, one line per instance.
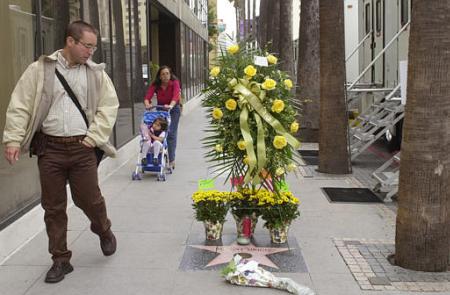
point(72, 95)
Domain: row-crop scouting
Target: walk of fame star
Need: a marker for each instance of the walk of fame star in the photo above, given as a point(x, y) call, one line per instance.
point(226, 253)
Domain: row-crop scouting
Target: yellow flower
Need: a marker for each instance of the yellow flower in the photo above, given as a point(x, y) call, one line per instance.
point(233, 49)
point(279, 142)
point(231, 104)
point(215, 71)
point(288, 83)
point(278, 106)
point(246, 160)
point(269, 84)
point(271, 59)
point(219, 148)
point(250, 70)
point(217, 113)
point(241, 145)
point(291, 167)
point(294, 127)
point(280, 171)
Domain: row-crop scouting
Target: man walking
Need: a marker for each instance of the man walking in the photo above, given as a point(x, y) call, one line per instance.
point(43, 117)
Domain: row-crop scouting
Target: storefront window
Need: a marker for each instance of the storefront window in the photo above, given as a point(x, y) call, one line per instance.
point(20, 183)
point(56, 15)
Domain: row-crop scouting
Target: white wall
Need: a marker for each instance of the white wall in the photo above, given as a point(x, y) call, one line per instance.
point(351, 37)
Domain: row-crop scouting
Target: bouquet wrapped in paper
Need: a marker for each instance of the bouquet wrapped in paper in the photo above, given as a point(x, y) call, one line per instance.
point(247, 273)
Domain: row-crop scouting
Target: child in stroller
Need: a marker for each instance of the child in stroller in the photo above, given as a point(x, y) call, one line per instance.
point(153, 137)
point(153, 145)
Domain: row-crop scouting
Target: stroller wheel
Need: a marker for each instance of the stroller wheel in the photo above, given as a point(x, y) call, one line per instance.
point(134, 176)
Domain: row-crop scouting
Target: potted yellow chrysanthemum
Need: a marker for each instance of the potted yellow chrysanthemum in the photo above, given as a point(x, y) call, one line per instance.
point(211, 208)
point(278, 211)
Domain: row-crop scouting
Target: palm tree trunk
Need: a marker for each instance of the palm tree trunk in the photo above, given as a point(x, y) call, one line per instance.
point(263, 23)
point(308, 70)
point(273, 30)
point(422, 239)
point(120, 67)
point(286, 45)
point(333, 134)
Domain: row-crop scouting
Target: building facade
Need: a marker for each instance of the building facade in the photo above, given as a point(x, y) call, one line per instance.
point(136, 37)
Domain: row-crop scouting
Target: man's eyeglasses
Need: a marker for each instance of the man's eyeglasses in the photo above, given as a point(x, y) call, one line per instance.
point(87, 46)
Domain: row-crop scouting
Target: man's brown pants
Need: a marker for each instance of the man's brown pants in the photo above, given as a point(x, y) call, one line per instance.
point(72, 162)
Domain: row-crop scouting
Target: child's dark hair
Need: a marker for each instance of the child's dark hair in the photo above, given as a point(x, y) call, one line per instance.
point(162, 122)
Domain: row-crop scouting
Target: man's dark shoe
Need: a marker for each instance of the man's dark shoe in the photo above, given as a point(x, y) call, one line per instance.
point(58, 271)
point(108, 243)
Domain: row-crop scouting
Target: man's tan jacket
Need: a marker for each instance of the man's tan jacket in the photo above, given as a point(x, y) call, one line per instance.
point(33, 96)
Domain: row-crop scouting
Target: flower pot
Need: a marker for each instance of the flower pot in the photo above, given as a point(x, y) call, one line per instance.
point(279, 235)
point(213, 230)
point(240, 224)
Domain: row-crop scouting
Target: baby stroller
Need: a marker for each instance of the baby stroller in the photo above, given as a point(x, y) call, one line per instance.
point(161, 166)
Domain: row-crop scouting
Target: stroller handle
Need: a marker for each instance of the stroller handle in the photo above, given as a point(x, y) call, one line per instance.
point(157, 107)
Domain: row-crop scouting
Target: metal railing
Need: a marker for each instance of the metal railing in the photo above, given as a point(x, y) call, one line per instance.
point(378, 56)
point(359, 45)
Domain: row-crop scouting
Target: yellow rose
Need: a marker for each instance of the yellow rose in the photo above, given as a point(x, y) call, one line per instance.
point(278, 106)
point(279, 142)
point(280, 171)
point(288, 83)
point(231, 104)
point(291, 167)
point(233, 49)
point(250, 70)
point(269, 84)
point(215, 71)
point(246, 160)
point(217, 113)
point(219, 148)
point(294, 127)
point(241, 145)
point(271, 59)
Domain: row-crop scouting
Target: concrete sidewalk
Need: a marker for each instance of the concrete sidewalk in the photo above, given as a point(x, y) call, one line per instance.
point(342, 245)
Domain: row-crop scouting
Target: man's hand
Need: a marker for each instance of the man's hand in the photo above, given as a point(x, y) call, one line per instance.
point(168, 107)
point(86, 144)
point(12, 154)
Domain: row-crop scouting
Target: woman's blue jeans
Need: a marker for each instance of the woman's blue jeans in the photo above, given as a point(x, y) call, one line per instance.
point(173, 130)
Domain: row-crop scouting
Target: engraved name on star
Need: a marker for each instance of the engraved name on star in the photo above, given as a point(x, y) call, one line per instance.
point(226, 253)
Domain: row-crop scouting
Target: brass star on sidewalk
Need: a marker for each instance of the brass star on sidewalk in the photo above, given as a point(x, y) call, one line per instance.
point(258, 254)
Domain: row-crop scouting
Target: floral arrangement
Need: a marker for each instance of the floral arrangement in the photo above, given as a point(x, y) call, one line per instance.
point(211, 205)
point(278, 210)
point(245, 203)
point(252, 118)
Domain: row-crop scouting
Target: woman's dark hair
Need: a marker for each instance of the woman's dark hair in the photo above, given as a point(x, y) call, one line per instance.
point(75, 30)
point(162, 122)
point(157, 81)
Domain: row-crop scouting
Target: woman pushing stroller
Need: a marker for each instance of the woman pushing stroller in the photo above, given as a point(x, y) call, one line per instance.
point(168, 92)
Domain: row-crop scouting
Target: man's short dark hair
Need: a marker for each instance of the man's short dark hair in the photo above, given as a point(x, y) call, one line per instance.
point(75, 29)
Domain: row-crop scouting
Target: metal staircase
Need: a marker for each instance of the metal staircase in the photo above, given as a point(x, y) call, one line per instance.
point(387, 176)
point(373, 123)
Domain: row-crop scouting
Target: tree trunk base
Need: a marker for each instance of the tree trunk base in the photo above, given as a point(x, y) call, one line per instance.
point(309, 135)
